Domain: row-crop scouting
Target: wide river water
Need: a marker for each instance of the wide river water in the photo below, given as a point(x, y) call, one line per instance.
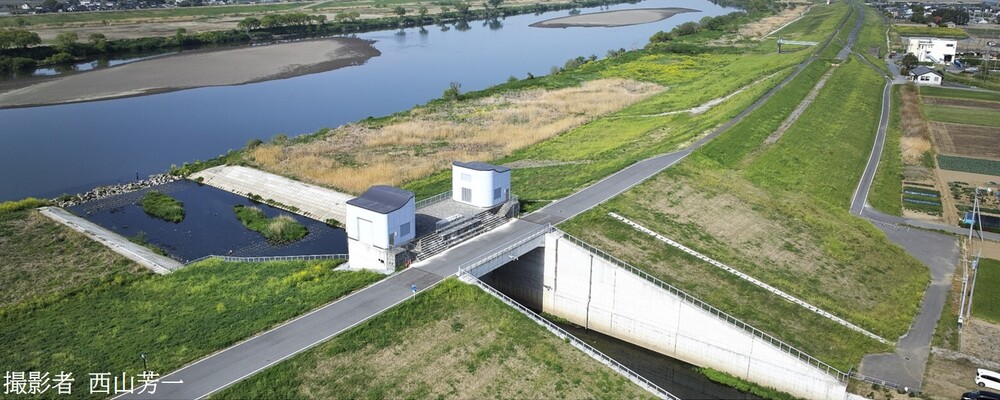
point(51, 150)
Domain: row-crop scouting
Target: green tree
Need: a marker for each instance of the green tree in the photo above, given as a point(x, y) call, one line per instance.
point(453, 92)
point(66, 40)
point(908, 62)
point(99, 41)
point(179, 36)
point(494, 4)
point(423, 12)
point(248, 24)
point(399, 10)
point(50, 4)
point(462, 8)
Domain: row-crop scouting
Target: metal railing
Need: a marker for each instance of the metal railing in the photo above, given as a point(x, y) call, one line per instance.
point(504, 249)
point(433, 199)
point(271, 258)
point(579, 344)
point(880, 382)
point(684, 296)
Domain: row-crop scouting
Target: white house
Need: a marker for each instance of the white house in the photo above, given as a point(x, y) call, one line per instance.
point(938, 51)
point(925, 76)
point(379, 219)
point(479, 184)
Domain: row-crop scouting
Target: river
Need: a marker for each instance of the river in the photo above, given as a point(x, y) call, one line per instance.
point(51, 150)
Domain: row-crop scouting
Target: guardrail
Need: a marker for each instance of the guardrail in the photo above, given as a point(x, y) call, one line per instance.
point(271, 258)
point(433, 199)
point(505, 248)
point(579, 344)
point(684, 296)
point(748, 278)
point(880, 382)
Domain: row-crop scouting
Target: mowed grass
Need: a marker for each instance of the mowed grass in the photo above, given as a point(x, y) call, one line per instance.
point(59, 19)
point(937, 91)
point(962, 115)
point(825, 151)
point(885, 191)
point(174, 319)
point(451, 342)
point(818, 24)
point(985, 302)
point(41, 260)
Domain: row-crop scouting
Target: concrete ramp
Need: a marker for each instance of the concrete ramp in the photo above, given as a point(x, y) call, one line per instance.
point(312, 201)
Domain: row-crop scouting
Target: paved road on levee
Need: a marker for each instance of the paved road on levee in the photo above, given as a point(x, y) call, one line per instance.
point(222, 369)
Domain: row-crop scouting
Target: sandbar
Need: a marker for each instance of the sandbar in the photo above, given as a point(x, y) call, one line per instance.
point(186, 70)
point(610, 19)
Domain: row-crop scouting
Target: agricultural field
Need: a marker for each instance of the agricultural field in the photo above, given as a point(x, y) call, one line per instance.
point(793, 221)
point(937, 91)
point(452, 341)
point(174, 318)
point(963, 115)
point(986, 304)
point(973, 165)
point(922, 199)
point(941, 32)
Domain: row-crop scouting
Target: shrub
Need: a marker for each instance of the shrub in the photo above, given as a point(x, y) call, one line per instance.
point(162, 206)
point(282, 228)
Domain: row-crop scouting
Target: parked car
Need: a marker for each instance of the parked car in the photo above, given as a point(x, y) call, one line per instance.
point(987, 378)
point(981, 395)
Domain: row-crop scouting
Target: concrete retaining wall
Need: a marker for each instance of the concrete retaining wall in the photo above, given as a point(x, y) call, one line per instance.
point(572, 283)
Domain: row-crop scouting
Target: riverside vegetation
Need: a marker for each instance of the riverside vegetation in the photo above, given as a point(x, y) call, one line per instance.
point(162, 206)
point(174, 319)
point(470, 343)
point(282, 228)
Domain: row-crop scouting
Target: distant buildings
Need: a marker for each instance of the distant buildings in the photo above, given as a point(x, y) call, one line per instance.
point(925, 76)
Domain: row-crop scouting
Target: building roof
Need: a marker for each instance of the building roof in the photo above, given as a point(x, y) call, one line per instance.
point(382, 199)
point(481, 166)
point(923, 70)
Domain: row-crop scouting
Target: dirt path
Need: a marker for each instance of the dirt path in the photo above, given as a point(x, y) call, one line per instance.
point(794, 116)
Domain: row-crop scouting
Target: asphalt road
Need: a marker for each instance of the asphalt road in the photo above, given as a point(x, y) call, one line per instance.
point(226, 367)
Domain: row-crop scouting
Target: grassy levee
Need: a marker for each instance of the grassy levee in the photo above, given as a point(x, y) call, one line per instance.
point(985, 302)
point(42, 260)
point(871, 39)
point(59, 19)
point(884, 195)
point(174, 319)
point(848, 110)
point(779, 213)
point(937, 91)
point(453, 341)
point(961, 115)
point(819, 23)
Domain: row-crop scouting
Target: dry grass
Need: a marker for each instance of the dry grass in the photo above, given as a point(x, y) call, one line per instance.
point(428, 139)
point(915, 140)
point(948, 379)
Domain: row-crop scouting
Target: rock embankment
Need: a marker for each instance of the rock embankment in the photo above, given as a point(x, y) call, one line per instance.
point(101, 192)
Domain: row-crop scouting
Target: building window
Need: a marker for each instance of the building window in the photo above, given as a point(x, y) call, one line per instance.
point(404, 229)
point(467, 195)
point(925, 78)
point(496, 193)
point(467, 177)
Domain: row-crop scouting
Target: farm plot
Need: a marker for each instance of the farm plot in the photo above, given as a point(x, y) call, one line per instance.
point(962, 115)
point(966, 140)
point(956, 102)
point(959, 93)
point(973, 165)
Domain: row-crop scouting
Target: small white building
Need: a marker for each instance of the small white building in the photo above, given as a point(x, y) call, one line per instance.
point(925, 76)
point(381, 218)
point(479, 184)
point(938, 51)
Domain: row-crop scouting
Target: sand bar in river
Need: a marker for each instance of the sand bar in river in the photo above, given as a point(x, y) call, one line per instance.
point(231, 66)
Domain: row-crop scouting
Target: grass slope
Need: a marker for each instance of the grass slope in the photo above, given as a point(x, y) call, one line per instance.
point(884, 194)
point(41, 260)
point(175, 319)
point(453, 341)
point(985, 303)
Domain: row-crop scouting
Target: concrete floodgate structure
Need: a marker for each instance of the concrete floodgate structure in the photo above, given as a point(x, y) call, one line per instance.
point(312, 201)
point(572, 282)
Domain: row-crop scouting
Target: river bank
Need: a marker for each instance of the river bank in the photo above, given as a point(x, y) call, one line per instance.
point(202, 68)
point(611, 19)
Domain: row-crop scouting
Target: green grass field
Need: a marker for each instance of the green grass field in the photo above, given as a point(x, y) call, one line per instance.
point(937, 91)
point(985, 302)
point(940, 32)
point(848, 110)
point(174, 319)
point(960, 115)
point(451, 342)
point(59, 19)
point(884, 193)
point(965, 164)
point(871, 40)
point(988, 82)
point(817, 25)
